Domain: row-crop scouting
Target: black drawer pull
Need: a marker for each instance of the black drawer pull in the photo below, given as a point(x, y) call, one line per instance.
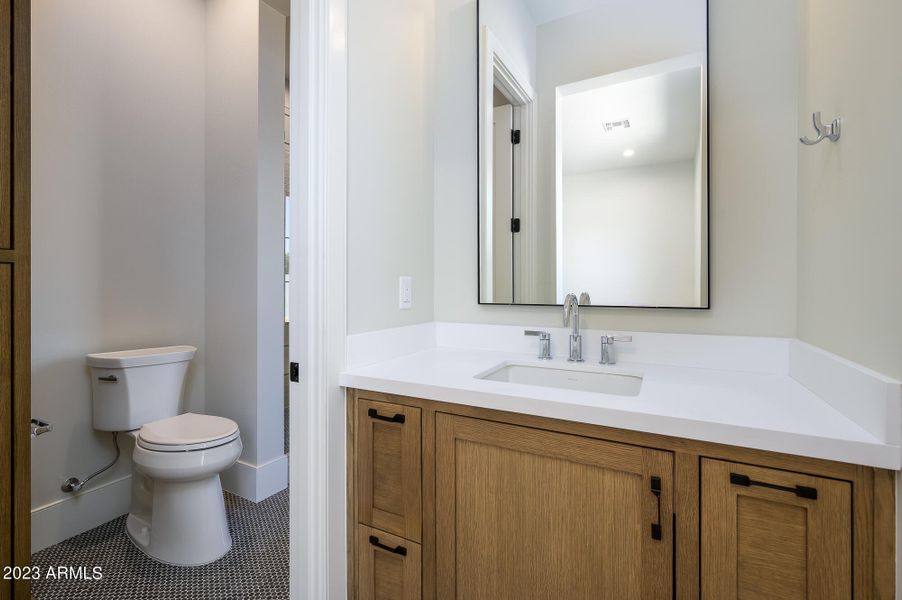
point(374, 414)
point(802, 491)
point(401, 550)
point(656, 533)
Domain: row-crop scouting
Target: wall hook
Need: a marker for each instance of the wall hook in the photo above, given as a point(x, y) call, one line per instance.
point(831, 131)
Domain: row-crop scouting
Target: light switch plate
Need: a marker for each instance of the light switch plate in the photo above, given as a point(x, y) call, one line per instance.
point(405, 292)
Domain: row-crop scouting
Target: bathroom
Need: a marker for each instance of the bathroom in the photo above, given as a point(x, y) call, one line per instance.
point(596, 298)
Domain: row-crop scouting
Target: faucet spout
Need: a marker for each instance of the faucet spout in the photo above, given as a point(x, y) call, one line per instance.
point(571, 318)
point(571, 313)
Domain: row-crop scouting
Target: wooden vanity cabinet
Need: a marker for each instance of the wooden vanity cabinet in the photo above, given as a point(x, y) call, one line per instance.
point(448, 501)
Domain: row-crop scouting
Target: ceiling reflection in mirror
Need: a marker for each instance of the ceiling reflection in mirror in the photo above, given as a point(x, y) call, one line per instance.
point(593, 152)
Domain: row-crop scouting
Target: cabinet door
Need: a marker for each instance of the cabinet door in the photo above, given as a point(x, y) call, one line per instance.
point(388, 567)
point(388, 468)
point(774, 535)
point(524, 514)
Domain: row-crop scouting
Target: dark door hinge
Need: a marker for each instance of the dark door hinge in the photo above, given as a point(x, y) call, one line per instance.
point(515, 136)
point(294, 372)
point(515, 225)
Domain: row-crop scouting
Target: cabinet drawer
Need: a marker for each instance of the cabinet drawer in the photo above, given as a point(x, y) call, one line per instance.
point(774, 534)
point(389, 469)
point(388, 567)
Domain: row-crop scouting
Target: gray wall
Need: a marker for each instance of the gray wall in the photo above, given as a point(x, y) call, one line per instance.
point(244, 220)
point(117, 223)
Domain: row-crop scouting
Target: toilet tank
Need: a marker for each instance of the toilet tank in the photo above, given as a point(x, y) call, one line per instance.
point(134, 387)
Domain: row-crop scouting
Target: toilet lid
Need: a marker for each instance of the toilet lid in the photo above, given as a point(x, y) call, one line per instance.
point(188, 431)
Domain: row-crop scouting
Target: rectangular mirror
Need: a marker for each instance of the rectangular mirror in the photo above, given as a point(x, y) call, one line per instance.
point(593, 152)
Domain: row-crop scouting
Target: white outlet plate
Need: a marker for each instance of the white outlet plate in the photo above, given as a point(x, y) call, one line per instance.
point(405, 292)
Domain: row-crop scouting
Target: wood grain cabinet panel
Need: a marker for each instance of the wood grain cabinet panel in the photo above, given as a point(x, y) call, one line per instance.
point(6, 89)
point(388, 566)
point(774, 535)
point(6, 419)
point(389, 470)
point(524, 513)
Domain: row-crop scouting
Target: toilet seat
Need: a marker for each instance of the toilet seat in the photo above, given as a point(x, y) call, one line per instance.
point(187, 432)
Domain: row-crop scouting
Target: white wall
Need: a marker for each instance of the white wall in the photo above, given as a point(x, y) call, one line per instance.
point(117, 225)
point(512, 25)
point(629, 235)
point(753, 178)
point(390, 161)
point(244, 236)
point(850, 270)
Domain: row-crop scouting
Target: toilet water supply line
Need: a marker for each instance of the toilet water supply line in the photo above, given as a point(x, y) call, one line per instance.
point(74, 484)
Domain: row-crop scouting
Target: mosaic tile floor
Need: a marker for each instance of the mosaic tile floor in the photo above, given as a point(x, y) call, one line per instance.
point(255, 568)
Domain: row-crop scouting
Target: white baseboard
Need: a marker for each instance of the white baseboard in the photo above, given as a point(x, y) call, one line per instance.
point(66, 517)
point(257, 482)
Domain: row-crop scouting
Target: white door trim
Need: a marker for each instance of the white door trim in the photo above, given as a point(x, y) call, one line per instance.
point(317, 336)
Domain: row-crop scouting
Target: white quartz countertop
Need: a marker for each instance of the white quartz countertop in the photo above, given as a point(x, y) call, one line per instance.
point(766, 411)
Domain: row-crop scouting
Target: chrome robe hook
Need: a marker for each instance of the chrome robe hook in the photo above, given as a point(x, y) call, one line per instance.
point(831, 131)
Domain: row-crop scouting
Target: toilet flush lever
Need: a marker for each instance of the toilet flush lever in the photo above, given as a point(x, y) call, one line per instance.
point(110, 378)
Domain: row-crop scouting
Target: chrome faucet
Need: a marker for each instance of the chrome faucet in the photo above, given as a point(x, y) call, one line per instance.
point(607, 347)
point(571, 318)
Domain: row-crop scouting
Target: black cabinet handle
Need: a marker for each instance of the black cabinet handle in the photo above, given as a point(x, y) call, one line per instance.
point(656, 533)
point(374, 414)
point(802, 491)
point(401, 550)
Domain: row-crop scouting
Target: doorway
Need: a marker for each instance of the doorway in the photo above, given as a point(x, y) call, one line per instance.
point(155, 192)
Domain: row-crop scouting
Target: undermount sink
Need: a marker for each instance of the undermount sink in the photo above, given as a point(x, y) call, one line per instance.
point(583, 378)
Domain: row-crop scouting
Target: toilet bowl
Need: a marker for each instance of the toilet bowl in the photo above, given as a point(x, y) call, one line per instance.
point(177, 514)
point(177, 511)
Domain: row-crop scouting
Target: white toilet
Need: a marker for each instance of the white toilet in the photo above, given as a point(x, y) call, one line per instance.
point(177, 512)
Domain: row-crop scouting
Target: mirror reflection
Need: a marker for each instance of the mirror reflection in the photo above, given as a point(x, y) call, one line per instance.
point(593, 152)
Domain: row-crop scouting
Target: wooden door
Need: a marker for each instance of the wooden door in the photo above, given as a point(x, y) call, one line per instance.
point(774, 535)
point(388, 468)
point(15, 295)
point(388, 567)
point(525, 514)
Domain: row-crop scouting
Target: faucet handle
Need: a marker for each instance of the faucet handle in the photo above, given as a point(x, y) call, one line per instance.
point(607, 347)
point(544, 342)
point(610, 339)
